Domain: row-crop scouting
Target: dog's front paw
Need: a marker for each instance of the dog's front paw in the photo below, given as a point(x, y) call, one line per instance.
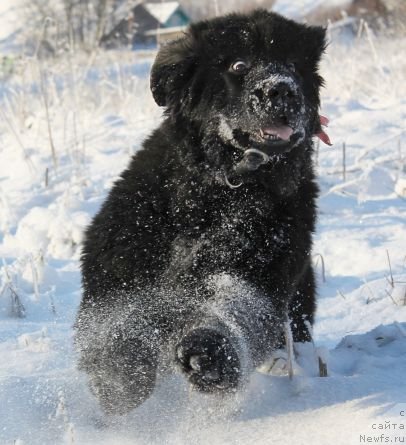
point(209, 360)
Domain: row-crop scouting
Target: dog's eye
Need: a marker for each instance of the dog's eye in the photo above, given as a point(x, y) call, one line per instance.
point(239, 67)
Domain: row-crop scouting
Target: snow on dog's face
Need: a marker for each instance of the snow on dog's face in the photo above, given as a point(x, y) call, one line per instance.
point(250, 79)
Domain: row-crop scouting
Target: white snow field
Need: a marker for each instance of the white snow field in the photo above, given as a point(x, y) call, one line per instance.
point(67, 129)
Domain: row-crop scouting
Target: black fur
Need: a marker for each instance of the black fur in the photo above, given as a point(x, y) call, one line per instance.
point(178, 266)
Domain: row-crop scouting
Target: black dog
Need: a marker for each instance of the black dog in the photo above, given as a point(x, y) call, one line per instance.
point(202, 249)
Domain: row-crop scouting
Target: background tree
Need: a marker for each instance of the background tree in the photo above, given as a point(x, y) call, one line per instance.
point(70, 23)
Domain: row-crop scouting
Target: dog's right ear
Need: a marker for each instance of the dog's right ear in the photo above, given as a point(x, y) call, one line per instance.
point(171, 71)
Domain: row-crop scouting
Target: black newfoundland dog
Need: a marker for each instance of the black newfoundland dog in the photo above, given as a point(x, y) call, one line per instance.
point(202, 249)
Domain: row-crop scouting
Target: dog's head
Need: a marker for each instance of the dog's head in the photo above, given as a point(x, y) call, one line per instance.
point(251, 78)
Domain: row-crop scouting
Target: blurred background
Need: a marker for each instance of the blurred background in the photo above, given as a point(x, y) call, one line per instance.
point(75, 105)
point(47, 27)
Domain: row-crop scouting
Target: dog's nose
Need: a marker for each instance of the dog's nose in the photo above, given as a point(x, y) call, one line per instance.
point(281, 90)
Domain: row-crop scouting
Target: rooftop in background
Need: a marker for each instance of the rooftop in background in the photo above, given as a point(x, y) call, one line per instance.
point(300, 8)
point(162, 11)
point(10, 24)
point(146, 24)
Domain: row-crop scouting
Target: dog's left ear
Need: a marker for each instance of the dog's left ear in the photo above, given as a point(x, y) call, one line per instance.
point(173, 67)
point(314, 40)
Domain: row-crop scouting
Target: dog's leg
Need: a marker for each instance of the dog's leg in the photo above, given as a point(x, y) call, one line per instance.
point(209, 359)
point(303, 306)
point(123, 377)
point(229, 342)
point(121, 361)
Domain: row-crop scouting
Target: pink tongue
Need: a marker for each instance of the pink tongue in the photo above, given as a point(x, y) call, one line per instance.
point(282, 131)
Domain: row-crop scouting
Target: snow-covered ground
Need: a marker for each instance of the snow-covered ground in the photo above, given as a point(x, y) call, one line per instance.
point(64, 139)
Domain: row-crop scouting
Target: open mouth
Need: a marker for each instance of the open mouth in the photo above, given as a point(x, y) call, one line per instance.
point(269, 138)
point(275, 133)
